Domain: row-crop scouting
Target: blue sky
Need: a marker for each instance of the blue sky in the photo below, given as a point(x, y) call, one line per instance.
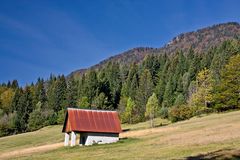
point(39, 37)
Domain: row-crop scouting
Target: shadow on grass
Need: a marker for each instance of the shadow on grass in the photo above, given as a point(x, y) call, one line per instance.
point(227, 154)
point(155, 126)
point(122, 141)
point(126, 130)
point(161, 125)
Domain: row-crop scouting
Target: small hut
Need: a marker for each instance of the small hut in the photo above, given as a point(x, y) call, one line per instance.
point(93, 126)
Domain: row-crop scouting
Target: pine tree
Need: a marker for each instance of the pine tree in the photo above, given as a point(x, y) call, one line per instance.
point(168, 97)
point(23, 109)
point(194, 67)
point(91, 85)
point(130, 86)
point(100, 102)
point(40, 93)
point(81, 86)
point(159, 90)
point(58, 94)
point(133, 87)
point(71, 92)
point(179, 100)
point(15, 101)
point(15, 84)
point(181, 66)
point(151, 63)
point(51, 98)
point(185, 83)
point(115, 84)
point(227, 94)
point(144, 92)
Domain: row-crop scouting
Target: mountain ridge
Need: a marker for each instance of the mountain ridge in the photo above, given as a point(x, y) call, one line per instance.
point(200, 40)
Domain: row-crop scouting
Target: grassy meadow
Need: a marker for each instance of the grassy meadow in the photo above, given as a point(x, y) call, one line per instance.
point(215, 135)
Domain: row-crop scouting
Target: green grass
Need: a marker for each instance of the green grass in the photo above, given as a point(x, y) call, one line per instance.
point(47, 135)
point(144, 125)
point(53, 134)
point(199, 135)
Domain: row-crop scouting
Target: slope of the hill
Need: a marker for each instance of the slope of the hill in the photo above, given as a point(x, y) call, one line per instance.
point(199, 40)
point(213, 136)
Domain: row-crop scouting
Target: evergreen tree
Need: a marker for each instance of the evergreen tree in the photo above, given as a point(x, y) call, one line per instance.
point(115, 84)
point(133, 87)
point(23, 109)
point(130, 86)
point(40, 93)
point(16, 97)
point(51, 98)
point(15, 84)
point(122, 107)
point(144, 92)
point(194, 67)
point(151, 63)
point(81, 86)
point(181, 66)
point(228, 91)
point(168, 97)
point(179, 85)
point(71, 92)
point(91, 85)
point(101, 102)
point(185, 83)
point(179, 100)
point(58, 94)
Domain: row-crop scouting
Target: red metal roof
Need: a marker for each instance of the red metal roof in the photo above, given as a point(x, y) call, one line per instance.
point(81, 120)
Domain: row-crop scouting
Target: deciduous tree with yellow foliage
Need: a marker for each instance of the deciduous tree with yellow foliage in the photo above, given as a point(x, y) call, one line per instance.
point(204, 87)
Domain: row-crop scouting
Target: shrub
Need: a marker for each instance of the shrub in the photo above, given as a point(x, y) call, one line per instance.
point(163, 113)
point(8, 124)
point(61, 116)
point(202, 110)
point(179, 113)
point(35, 121)
point(40, 118)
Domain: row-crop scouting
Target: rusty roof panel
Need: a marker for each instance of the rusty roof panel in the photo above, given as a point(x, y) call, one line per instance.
point(92, 121)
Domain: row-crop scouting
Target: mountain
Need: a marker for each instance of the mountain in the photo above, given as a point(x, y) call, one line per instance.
point(203, 39)
point(199, 40)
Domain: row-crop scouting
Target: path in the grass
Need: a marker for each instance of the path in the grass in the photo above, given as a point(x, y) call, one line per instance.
point(28, 151)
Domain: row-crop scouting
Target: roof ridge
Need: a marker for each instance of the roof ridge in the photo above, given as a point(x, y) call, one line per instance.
point(90, 110)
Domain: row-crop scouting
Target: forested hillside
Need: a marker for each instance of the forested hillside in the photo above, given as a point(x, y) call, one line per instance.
point(196, 73)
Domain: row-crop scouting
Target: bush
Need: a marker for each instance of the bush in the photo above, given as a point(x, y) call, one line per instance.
point(40, 118)
point(51, 118)
point(7, 124)
point(202, 110)
point(35, 121)
point(179, 113)
point(163, 112)
point(60, 116)
point(1, 113)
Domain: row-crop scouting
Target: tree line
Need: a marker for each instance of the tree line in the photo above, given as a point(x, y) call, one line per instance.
point(174, 86)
